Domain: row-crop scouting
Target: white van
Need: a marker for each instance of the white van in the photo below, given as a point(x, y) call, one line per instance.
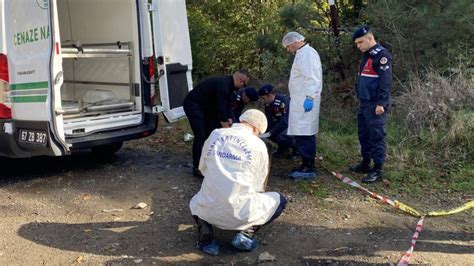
point(80, 74)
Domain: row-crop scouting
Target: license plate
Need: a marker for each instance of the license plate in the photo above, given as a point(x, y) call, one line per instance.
point(32, 137)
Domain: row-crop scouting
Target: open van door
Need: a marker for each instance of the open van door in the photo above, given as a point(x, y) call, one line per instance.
point(31, 50)
point(173, 54)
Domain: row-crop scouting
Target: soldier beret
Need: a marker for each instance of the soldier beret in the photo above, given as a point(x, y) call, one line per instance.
point(265, 89)
point(251, 92)
point(360, 32)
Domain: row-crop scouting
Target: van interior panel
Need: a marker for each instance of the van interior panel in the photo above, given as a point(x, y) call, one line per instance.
point(100, 58)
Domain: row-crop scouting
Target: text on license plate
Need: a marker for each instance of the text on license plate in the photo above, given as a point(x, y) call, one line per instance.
point(32, 136)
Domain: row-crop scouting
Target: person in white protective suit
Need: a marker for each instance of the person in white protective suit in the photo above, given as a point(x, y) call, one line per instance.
point(305, 86)
point(235, 166)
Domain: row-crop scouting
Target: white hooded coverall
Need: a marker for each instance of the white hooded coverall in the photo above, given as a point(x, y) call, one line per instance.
point(306, 79)
point(235, 165)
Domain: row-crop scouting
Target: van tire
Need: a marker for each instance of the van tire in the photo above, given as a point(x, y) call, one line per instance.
point(107, 150)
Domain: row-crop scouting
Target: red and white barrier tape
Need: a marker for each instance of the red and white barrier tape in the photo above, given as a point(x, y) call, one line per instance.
point(398, 205)
point(395, 204)
point(406, 257)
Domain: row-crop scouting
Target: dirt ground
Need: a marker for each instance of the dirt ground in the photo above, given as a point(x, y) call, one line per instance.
point(78, 209)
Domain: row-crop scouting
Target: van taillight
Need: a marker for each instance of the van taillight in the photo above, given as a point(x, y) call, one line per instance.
point(151, 72)
point(5, 112)
point(4, 68)
point(5, 100)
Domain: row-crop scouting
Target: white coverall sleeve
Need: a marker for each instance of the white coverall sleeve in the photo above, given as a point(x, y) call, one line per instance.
point(311, 70)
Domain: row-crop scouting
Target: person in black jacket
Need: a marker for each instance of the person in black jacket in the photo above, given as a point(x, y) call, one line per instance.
point(208, 106)
point(373, 90)
point(276, 110)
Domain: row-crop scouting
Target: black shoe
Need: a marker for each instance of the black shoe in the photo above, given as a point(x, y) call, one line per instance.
point(197, 173)
point(205, 232)
point(206, 241)
point(372, 176)
point(308, 163)
point(360, 168)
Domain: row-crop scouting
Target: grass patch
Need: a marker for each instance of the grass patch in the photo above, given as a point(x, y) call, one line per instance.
point(316, 190)
point(338, 143)
point(415, 165)
point(464, 179)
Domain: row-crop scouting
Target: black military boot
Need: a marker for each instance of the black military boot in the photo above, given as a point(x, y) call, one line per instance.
point(299, 168)
point(374, 175)
point(205, 232)
point(362, 167)
point(206, 241)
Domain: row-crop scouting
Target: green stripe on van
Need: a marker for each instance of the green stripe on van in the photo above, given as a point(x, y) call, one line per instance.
point(27, 86)
point(30, 99)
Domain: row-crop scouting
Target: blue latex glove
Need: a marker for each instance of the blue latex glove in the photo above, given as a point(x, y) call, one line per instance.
point(308, 105)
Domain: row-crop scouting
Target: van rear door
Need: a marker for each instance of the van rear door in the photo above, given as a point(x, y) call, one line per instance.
point(172, 48)
point(30, 47)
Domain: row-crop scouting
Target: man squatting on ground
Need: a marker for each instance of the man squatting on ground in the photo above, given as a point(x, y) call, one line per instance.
point(276, 111)
point(373, 89)
point(243, 99)
point(305, 86)
point(234, 162)
point(208, 106)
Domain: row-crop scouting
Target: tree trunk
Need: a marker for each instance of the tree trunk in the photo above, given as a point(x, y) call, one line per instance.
point(339, 65)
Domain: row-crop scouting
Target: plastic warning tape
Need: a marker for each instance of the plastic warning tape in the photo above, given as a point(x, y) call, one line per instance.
point(396, 204)
point(464, 207)
point(406, 257)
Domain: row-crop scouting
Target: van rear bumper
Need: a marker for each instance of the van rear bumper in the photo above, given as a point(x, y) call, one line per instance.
point(12, 148)
point(148, 127)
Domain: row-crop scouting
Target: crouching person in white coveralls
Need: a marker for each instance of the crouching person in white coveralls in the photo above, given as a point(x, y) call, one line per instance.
point(234, 163)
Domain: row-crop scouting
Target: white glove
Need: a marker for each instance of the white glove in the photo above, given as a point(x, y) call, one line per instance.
point(265, 135)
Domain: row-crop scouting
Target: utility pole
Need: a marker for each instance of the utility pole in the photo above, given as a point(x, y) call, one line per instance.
point(334, 17)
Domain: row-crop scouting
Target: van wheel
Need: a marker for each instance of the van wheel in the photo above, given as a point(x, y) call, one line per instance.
point(107, 150)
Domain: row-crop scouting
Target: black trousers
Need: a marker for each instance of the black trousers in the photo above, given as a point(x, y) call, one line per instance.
point(306, 146)
point(371, 130)
point(284, 141)
point(202, 122)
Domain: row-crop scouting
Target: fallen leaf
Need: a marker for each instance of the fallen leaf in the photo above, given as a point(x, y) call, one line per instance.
point(80, 259)
point(266, 257)
point(141, 205)
point(112, 210)
point(184, 227)
point(86, 197)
